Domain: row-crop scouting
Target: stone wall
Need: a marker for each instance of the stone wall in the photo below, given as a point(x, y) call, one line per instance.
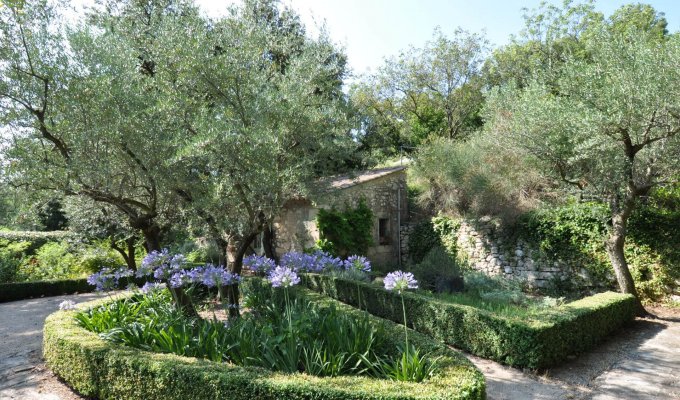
point(484, 246)
point(487, 248)
point(386, 196)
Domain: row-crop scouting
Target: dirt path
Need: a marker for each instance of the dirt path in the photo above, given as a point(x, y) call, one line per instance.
point(641, 363)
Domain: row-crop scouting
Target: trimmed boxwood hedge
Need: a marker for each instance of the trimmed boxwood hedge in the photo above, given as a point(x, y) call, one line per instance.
point(35, 289)
point(96, 368)
point(536, 344)
point(27, 290)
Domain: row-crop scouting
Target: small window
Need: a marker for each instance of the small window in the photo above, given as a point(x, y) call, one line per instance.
point(383, 231)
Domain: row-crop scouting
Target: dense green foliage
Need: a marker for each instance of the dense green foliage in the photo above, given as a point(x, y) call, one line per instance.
point(438, 271)
point(36, 256)
point(539, 342)
point(480, 176)
point(346, 232)
point(97, 368)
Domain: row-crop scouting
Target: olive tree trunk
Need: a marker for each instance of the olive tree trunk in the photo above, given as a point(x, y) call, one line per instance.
point(615, 244)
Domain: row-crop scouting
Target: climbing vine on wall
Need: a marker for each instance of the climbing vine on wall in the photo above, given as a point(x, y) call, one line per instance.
point(346, 232)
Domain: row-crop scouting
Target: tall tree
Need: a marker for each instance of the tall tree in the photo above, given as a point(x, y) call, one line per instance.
point(433, 90)
point(266, 131)
point(612, 129)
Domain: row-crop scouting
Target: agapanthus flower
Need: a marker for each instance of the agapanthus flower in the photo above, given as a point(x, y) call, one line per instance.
point(325, 261)
point(259, 264)
point(357, 263)
point(213, 275)
point(67, 305)
point(400, 281)
point(161, 264)
point(151, 287)
point(152, 261)
point(107, 279)
point(300, 262)
point(179, 279)
point(283, 277)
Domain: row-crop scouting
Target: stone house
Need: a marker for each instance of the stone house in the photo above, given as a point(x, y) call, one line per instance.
point(384, 191)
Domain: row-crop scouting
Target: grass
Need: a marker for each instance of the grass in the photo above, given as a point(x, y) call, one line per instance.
point(530, 309)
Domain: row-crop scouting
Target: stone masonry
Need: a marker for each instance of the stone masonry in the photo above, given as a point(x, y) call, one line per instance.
point(384, 191)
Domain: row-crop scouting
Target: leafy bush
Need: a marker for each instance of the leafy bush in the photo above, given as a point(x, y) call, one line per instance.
point(576, 232)
point(539, 342)
point(97, 368)
point(421, 240)
point(11, 256)
point(51, 261)
point(476, 177)
point(438, 272)
point(94, 257)
point(346, 232)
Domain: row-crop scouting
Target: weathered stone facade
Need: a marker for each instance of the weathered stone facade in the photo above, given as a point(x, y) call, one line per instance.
point(487, 248)
point(484, 246)
point(384, 191)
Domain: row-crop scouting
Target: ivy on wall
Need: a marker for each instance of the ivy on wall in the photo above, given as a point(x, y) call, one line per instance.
point(346, 232)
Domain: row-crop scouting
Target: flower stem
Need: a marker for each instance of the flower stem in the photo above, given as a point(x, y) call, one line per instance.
point(403, 307)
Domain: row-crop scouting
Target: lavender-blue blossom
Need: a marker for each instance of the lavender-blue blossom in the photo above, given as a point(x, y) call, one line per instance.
point(400, 281)
point(358, 263)
point(212, 276)
point(151, 287)
point(300, 262)
point(107, 279)
point(283, 277)
point(179, 279)
point(259, 264)
point(326, 262)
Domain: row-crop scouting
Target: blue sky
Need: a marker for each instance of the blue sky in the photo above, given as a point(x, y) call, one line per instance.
point(371, 30)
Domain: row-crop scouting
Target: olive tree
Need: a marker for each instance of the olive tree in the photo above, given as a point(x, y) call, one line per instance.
point(611, 129)
point(268, 117)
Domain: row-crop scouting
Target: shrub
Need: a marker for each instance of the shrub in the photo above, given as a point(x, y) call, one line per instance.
point(421, 240)
point(26, 290)
point(11, 256)
point(533, 343)
point(96, 368)
point(346, 232)
point(54, 260)
point(438, 272)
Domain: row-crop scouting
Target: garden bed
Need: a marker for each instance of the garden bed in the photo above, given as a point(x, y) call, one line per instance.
point(540, 342)
point(98, 368)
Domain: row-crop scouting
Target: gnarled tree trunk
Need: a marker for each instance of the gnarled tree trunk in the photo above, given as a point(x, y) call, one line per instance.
point(614, 245)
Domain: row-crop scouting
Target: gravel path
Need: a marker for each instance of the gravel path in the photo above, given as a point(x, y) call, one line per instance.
point(641, 363)
point(23, 375)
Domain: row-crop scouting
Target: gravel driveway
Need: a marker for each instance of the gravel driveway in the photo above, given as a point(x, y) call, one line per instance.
point(641, 363)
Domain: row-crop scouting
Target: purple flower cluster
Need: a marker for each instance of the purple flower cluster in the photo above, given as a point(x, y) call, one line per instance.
point(283, 277)
point(327, 262)
point(151, 287)
point(400, 281)
point(357, 263)
point(107, 279)
point(259, 264)
point(212, 276)
point(162, 265)
point(300, 262)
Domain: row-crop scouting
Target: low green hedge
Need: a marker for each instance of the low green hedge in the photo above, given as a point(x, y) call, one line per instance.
point(27, 290)
point(30, 290)
point(96, 368)
point(536, 344)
